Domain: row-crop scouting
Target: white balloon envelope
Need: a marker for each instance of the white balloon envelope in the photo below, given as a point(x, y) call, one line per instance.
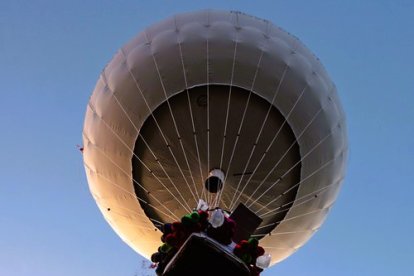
point(215, 90)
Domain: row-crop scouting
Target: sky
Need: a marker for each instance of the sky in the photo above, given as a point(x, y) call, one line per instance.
point(51, 54)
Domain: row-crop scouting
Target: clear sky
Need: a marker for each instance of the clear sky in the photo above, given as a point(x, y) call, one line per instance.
point(51, 53)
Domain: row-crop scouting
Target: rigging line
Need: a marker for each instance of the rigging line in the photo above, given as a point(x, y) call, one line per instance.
point(132, 224)
point(112, 221)
point(161, 132)
point(142, 187)
point(293, 218)
point(228, 110)
point(268, 148)
point(290, 147)
point(223, 201)
point(215, 200)
point(134, 213)
point(155, 120)
point(159, 163)
point(135, 127)
point(175, 124)
point(149, 170)
point(128, 192)
point(268, 112)
point(190, 109)
point(251, 154)
point(210, 195)
point(260, 133)
point(312, 195)
point(274, 139)
point(285, 233)
point(283, 156)
point(242, 120)
point(136, 182)
point(237, 27)
point(291, 168)
point(280, 248)
point(295, 206)
point(218, 199)
point(228, 102)
point(287, 209)
point(134, 196)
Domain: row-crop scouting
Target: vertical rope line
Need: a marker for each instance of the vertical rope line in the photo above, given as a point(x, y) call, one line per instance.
point(313, 173)
point(284, 233)
point(138, 198)
point(135, 213)
point(224, 195)
point(111, 221)
point(274, 139)
point(297, 163)
point(122, 170)
point(242, 120)
point(126, 146)
point(210, 201)
point(191, 111)
point(280, 159)
point(290, 147)
point(282, 248)
point(255, 144)
point(133, 195)
point(288, 171)
point(312, 195)
point(237, 27)
point(228, 104)
point(152, 116)
point(227, 112)
point(135, 127)
point(260, 132)
point(292, 218)
point(174, 122)
point(287, 209)
point(268, 112)
point(155, 224)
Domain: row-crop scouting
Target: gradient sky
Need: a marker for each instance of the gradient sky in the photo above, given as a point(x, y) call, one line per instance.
point(51, 53)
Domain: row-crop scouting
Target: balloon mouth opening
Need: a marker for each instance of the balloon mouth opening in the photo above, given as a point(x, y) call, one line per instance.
point(213, 184)
point(228, 180)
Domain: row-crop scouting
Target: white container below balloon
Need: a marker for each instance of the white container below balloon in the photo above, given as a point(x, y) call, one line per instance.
point(217, 218)
point(217, 173)
point(263, 261)
point(202, 205)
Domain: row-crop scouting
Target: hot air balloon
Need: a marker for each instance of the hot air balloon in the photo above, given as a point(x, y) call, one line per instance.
point(221, 107)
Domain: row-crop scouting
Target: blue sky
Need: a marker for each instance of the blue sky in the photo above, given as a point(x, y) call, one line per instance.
point(51, 53)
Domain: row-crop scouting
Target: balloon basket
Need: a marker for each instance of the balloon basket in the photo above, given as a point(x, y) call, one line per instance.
point(201, 255)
